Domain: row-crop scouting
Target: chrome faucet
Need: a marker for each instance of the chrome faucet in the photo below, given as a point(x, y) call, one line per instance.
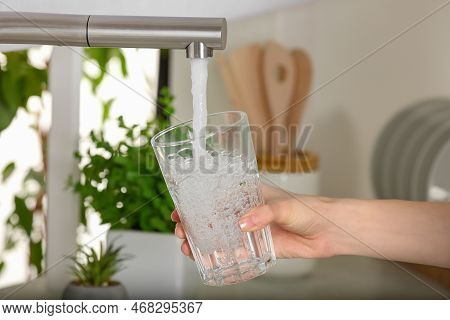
point(198, 36)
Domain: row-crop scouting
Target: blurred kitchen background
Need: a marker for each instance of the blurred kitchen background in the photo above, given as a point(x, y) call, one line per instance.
point(376, 96)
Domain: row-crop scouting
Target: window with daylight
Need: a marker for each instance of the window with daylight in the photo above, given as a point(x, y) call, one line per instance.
point(37, 116)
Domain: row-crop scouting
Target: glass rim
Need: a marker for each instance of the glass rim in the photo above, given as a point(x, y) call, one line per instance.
point(155, 143)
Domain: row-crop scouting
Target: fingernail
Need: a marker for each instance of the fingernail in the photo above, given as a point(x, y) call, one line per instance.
point(246, 223)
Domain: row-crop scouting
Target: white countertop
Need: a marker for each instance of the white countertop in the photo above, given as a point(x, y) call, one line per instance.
point(333, 278)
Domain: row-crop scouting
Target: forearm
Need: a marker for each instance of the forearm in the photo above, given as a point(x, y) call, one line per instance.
point(416, 232)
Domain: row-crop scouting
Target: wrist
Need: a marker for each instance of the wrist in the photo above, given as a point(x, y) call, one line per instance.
point(345, 223)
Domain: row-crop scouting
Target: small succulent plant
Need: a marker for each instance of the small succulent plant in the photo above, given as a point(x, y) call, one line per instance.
point(97, 269)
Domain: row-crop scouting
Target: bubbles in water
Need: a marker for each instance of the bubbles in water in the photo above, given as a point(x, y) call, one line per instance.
point(211, 201)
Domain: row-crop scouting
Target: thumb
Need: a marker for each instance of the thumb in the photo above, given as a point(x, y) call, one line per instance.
point(279, 212)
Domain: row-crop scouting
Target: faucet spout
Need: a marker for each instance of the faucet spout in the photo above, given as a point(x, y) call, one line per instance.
point(198, 50)
point(199, 36)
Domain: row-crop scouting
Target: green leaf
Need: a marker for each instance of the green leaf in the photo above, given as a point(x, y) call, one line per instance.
point(2, 266)
point(10, 243)
point(8, 170)
point(38, 176)
point(123, 63)
point(121, 122)
point(83, 218)
point(7, 114)
point(36, 255)
point(24, 214)
point(19, 80)
point(101, 57)
point(106, 109)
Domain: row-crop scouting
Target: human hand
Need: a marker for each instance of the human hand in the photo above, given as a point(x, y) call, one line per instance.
point(317, 227)
point(298, 225)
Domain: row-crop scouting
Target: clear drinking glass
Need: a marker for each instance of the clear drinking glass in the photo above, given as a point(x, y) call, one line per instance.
point(211, 191)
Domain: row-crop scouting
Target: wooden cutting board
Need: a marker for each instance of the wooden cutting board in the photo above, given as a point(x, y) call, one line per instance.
point(279, 76)
point(303, 80)
point(230, 82)
point(245, 66)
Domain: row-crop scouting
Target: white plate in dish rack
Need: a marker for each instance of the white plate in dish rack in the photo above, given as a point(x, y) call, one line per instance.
point(378, 160)
point(382, 148)
point(404, 125)
point(430, 150)
point(411, 150)
point(439, 178)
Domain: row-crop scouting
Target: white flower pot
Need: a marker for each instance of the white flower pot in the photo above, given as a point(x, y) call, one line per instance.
point(298, 183)
point(294, 180)
point(157, 268)
point(74, 291)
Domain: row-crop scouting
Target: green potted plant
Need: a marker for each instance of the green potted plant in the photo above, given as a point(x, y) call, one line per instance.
point(20, 80)
point(123, 183)
point(94, 274)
